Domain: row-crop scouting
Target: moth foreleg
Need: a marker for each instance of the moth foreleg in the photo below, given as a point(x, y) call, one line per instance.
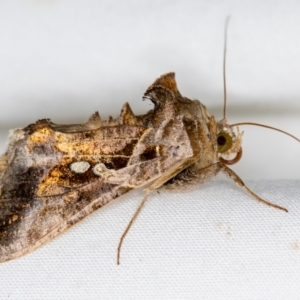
point(231, 174)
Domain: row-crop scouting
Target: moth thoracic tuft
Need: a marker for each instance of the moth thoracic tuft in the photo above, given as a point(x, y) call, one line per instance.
point(127, 117)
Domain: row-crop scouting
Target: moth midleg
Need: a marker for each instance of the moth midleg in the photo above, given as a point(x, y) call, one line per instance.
point(130, 224)
point(181, 165)
point(231, 174)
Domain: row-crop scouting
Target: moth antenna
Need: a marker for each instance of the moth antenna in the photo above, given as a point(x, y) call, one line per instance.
point(224, 66)
point(265, 126)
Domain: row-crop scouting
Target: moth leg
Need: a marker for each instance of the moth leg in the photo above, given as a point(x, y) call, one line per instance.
point(129, 225)
point(230, 173)
point(154, 186)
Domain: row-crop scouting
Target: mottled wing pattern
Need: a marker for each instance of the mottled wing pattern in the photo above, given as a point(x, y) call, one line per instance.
point(53, 175)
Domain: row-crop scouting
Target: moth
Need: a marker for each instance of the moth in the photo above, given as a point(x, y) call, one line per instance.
point(52, 175)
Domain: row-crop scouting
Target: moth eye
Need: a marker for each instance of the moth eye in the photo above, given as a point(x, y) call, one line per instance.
point(224, 141)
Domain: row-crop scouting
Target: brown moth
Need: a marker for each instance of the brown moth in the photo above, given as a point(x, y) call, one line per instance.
point(52, 176)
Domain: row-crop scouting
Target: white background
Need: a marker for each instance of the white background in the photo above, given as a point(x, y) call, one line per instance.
point(65, 59)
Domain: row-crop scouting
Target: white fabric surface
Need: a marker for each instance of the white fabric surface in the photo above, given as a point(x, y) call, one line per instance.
point(66, 59)
point(212, 243)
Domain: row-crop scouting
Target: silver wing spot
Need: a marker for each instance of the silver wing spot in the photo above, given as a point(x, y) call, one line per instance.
point(79, 166)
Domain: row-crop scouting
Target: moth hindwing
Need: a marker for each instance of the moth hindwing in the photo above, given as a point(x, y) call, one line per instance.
point(54, 175)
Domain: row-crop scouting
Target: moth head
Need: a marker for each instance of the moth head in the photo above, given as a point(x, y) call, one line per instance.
point(229, 143)
point(228, 140)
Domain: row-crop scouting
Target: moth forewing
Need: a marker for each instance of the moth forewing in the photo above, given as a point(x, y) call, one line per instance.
point(55, 175)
